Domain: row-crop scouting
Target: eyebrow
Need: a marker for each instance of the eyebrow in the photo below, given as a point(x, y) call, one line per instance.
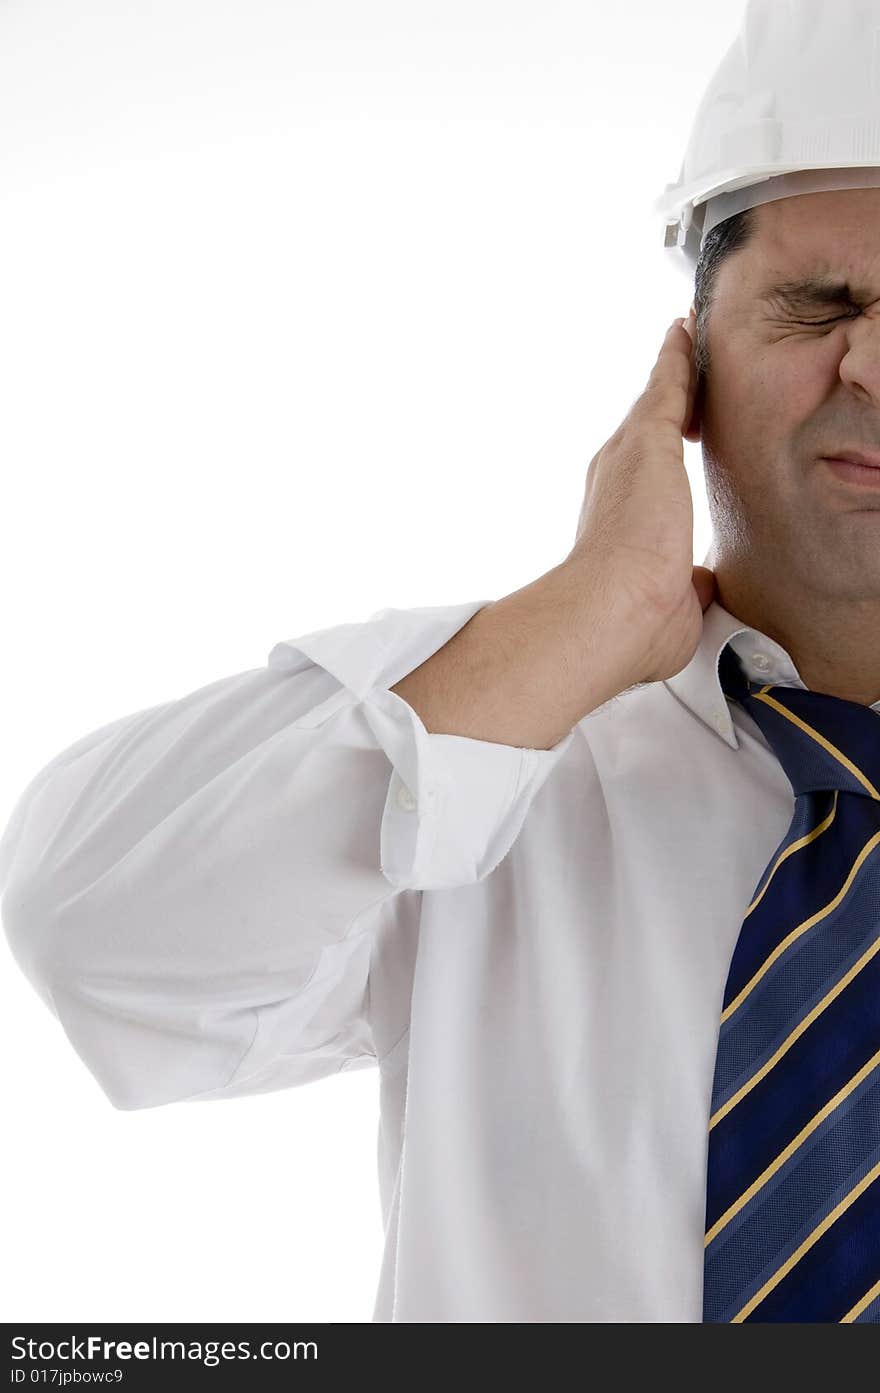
point(812, 291)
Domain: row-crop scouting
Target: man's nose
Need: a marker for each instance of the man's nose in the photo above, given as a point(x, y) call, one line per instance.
point(860, 364)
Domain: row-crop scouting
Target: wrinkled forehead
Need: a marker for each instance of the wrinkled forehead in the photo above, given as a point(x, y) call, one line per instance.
point(810, 250)
point(832, 233)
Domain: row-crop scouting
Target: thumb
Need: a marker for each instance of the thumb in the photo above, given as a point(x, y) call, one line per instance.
point(704, 583)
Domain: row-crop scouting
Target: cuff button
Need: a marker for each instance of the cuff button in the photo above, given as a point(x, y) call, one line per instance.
point(405, 798)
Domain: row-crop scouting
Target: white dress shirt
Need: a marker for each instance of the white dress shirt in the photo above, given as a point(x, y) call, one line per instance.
point(283, 875)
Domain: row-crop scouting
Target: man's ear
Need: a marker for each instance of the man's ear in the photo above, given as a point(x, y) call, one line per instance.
point(694, 431)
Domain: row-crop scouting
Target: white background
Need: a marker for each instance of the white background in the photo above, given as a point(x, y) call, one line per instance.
point(307, 309)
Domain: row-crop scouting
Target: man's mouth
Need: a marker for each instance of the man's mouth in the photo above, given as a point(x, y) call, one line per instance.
point(852, 472)
point(866, 458)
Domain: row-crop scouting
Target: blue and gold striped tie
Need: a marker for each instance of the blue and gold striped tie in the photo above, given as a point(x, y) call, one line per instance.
point(793, 1181)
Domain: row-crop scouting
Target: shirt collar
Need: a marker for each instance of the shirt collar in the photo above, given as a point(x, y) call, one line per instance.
point(698, 685)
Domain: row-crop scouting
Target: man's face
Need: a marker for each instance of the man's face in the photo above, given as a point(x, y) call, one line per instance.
point(789, 383)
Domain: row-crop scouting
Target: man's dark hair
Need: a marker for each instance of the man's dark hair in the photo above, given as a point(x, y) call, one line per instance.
point(725, 238)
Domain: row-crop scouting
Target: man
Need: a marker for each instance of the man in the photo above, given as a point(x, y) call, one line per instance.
point(538, 859)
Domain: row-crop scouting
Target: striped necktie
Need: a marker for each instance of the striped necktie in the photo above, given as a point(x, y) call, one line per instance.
point(792, 1228)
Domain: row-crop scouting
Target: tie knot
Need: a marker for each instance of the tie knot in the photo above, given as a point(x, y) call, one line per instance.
point(821, 741)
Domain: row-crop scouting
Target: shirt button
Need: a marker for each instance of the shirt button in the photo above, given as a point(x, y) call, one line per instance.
point(405, 798)
point(761, 661)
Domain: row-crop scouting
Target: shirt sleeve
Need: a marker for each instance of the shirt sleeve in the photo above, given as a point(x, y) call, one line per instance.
point(195, 890)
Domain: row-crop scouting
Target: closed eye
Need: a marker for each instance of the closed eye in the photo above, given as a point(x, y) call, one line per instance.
point(821, 323)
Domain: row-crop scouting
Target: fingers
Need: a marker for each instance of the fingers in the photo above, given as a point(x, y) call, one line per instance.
point(671, 388)
point(691, 427)
point(705, 584)
point(673, 360)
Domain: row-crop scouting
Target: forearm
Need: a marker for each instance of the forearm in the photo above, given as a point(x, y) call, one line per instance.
point(528, 667)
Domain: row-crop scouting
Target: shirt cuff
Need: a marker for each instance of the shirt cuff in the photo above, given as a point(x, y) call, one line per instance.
point(454, 805)
point(456, 813)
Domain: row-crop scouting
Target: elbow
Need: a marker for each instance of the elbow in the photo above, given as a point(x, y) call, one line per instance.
point(28, 924)
point(142, 1034)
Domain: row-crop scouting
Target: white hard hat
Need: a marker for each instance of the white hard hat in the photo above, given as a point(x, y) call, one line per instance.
point(793, 107)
